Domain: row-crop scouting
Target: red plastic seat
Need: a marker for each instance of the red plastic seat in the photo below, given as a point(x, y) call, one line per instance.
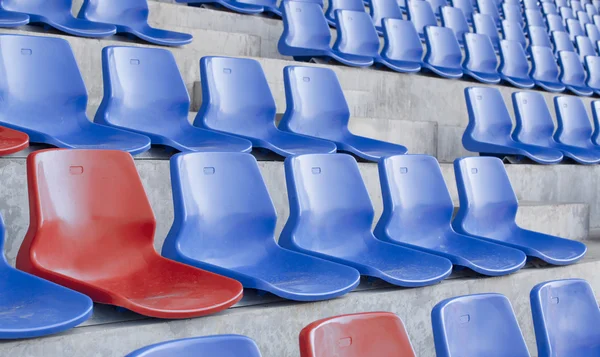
point(380, 334)
point(92, 230)
point(12, 141)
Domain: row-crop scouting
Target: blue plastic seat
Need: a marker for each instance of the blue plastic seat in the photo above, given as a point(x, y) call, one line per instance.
point(144, 93)
point(514, 32)
point(490, 126)
point(227, 190)
point(538, 37)
point(241, 6)
point(490, 7)
point(585, 47)
point(574, 28)
point(130, 17)
point(544, 70)
point(218, 345)
point(530, 5)
point(566, 13)
point(576, 6)
point(562, 42)
point(480, 61)
point(57, 14)
point(536, 127)
point(357, 38)
point(417, 213)
point(481, 325)
point(565, 318)
point(316, 107)
point(443, 55)
point(593, 34)
point(591, 10)
point(561, 3)
point(466, 6)
point(421, 14)
point(592, 64)
point(402, 50)
point(51, 108)
point(485, 25)
point(574, 127)
point(514, 67)
point(512, 13)
point(549, 8)
point(555, 23)
point(33, 307)
point(236, 99)
point(533, 17)
point(572, 73)
point(596, 20)
point(353, 5)
point(13, 19)
point(306, 35)
point(437, 6)
point(488, 206)
point(454, 19)
point(331, 216)
point(583, 18)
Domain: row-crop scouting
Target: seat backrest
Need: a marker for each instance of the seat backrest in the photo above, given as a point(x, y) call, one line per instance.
point(596, 19)
point(544, 66)
point(488, 203)
point(574, 126)
point(596, 115)
point(561, 3)
point(421, 14)
point(143, 90)
point(217, 198)
point(555, 23)
point(538, 37)
point(86, 207)
point(466, 6)
point(401, 41)
point(583, 18)
point(379, 334)
point(436, 5)
point(480, 54)
point(489, 119)
point(354, 5)
point(116, 12)
point(513, 60)
point(442, 47)
point(562, 42)
point(534, 121)
point(584, 47)
point(489, 7)
point(416, 201)
point(576, 5)
point(574, 28)
point(315, 103)
point(566, 13)
point(477, 325)
point(485, 25)
point(566, 318)
point(217, 345)
point(530, 4)
point(455, 19)
point(514, 32)
point(327, 195)
point(534, 18)
point(47, 8)
point(384, 9)
point(549, 8)
point(592, 64)
point(304, 26)
point(512, 13)
point(593, 34)
point(54, 90)
point(236, 97)
point(591, 10)
point(356, 34)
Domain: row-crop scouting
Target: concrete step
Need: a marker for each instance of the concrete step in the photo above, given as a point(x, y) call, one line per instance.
point(553, 215)
point(275, 326)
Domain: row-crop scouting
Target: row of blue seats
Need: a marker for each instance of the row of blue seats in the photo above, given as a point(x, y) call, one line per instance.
point(224, 223)
point(146, 102)
point(565, 316)
point(97, 18)
point(535, 136)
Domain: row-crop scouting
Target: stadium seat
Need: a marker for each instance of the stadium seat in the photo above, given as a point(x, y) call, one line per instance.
point(466, 6)
point(357, 37)
point(443, 55)
point(354, 5)
point(331, 216)
point(574, 127)
point(549, 8)
point(12, 19)
point(534, 18)
point(354, 335)
point(538, 37)
point(591, 10)
point(536, 127)
point(316, 107)
point(217, 345)
point(437, 6)
point(144, 93)
point(402, 50)
point(513, 32)
point(512, 13)
point(530, 5)
point(92, 230)
point(596, 20)
point(33, 307)
point(241, 6)
point(514, 67)
point(53, 111)
point(306, 35)
point(484, 24)
point(480, 61)
point(12, 141)
point(490, 8)
point(480, 325)
point(562, 42)
point(565, 318)
point(236, 99)
point(57, 14)
point(572, 73)
point(583, 18)
point(555, 23)
point(421, 14)
point(490, 126)
point(561, 3)
point(544, 70)
point(593, 34)
point(566, 13)
point(227, 190)
point(454, 19)
point(592, 64)
point(585, 47)
point(488, 207)
point(576, 6)
point(417, 213)
point(130, 17)
point(574, 28)
point(382, 9)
